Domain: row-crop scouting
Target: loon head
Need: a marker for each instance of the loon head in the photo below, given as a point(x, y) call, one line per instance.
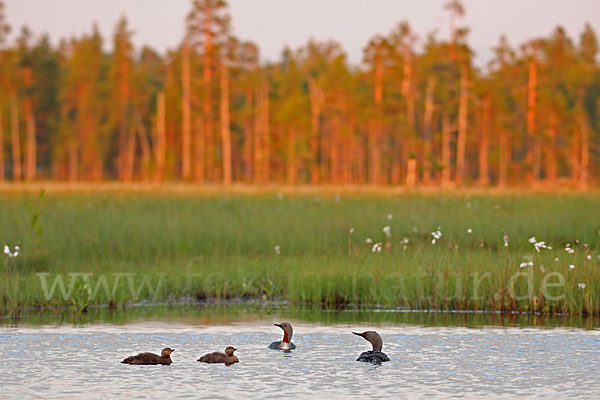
point(166, 352)
point(229, 351)
point(288, 331)
point(373, 337)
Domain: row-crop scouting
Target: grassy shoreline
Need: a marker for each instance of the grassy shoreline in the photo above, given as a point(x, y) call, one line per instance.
point(113, 246)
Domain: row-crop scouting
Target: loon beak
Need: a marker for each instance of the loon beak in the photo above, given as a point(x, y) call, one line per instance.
point(172, 350)
point(359, 334)
point(279, 325)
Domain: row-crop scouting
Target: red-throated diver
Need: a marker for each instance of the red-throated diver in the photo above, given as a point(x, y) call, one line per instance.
point(374, 356)
point(151, 358)
point(285, 344)
point(217, 357)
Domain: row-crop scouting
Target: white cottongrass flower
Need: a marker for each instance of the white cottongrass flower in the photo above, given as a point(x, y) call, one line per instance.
point(387, 230)
point(469, 230)
point(581, 285)
point(541, 245)
point(390, 216)
point(11, 254)
point(277, 249)
point(436, 235)
point(377, 247)
point(569, 250)
point(351, 231)
point(368, 240)
point(505, 240)
point(572, 266)
point(588, 257)
point(532, 239)
point(556, 259)
point(405, 240)
point(526, 264)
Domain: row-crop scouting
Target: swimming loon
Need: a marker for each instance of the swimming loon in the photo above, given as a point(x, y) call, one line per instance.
point(375, 356)
point(217, 357)
point(285, 344)
point(151, 358)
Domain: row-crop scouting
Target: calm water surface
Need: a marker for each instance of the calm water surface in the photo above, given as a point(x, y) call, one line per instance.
point(74, 361)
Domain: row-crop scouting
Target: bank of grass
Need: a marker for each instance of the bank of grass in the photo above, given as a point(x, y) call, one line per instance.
point(163, 246)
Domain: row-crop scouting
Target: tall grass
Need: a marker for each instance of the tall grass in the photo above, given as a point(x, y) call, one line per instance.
point(223, 246)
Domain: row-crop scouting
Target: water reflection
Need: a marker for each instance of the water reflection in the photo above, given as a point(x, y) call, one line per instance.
point(231, 312)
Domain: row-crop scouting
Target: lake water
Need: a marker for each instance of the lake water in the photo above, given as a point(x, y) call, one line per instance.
point(75, 358)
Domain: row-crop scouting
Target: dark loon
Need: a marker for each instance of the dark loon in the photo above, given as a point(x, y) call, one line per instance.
point(375, 356)
point(217, 357)
point(151, 358)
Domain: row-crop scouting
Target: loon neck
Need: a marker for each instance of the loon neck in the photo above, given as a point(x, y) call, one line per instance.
point(286, 338)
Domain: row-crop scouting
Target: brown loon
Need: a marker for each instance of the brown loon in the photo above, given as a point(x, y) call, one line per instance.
point(151, 358)
point(375, 356)
point(217, 357)
point(285, 344)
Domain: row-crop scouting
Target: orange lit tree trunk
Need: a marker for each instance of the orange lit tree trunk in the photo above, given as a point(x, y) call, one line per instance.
point(585, 152)
point(484, 140)
point(551, 160)
point(160, 139)
point(145, 147)
point(504, 159)
point(1, 146)
point(446, 132)
point(225, 128)
point(291, 169)
point(30, 153)
point(186, 118)
point(14, 137)
point(375, 129)
point(531, 119)
point(247, 150)
point(199, 150)
point(316, 106)
point(428, 128)
point(407, 91)
point(129, 155)
point(462, 126)
point(207, 99)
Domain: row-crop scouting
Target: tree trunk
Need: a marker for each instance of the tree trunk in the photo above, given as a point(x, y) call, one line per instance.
point(1, 146)
point(129, 156)
point(146, 150)
point(462, 126)
point(446, 131)
point(14, 137)
point(73, 161)
point(291, 169)
point(504, 160)
point(531, 119)
point(207, 99)
point(200, 150)
point(123, 122)
point(248, 140)
point(30, 154)
point(428, 128)
point(551, 161)
point(316, 105)
point(585, 152)
point(160, 140)
point(186, 123)
point(225, 129)
point(484, 178)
